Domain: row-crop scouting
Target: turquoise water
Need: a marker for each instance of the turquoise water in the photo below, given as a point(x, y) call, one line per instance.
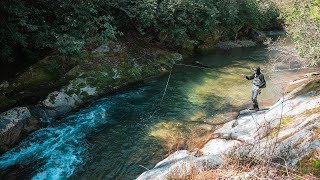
point(119, 135)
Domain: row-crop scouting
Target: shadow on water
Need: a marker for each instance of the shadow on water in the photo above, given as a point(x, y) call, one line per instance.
point(115, 136)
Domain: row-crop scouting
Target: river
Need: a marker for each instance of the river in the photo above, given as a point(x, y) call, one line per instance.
point(121, 135)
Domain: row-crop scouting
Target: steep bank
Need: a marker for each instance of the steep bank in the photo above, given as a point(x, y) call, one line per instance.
point(288, 130)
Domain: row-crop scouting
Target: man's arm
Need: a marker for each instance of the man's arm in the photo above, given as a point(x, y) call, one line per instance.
point(249, 77)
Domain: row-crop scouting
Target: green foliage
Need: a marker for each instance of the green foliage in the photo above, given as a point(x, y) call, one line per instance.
point(302, 18)
point(69, 26)
point(236, 14)
point(62, 25)
point(178, 21)
point(183, 18)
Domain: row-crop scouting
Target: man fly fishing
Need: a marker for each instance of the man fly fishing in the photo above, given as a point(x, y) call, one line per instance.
point(258, 82)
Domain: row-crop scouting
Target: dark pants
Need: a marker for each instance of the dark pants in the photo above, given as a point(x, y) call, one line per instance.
point(254, 96)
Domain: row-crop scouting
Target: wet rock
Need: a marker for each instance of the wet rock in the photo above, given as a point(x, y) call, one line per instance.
point(58, 103)
point(16, 123)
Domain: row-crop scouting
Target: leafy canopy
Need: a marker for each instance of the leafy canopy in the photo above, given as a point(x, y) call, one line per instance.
point(67, 27)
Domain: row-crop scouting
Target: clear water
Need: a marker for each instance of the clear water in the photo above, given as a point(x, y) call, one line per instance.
point(118, 136)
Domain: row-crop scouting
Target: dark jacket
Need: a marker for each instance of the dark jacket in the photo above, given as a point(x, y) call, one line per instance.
point(258, 80)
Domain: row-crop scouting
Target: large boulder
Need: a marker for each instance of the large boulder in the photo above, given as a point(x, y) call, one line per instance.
point(58, 103)
point(14, 125)
point(68, 97)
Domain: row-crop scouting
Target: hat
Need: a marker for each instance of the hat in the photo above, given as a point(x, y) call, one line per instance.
point(256, 68)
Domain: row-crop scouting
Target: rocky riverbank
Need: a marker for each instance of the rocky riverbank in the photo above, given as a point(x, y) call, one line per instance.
point(289, 130)
point(106, 68)
point(55, 86)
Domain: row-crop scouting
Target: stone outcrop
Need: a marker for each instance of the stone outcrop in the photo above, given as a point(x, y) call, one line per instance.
point(291, 125)
point(14, 124)
point(68, 98)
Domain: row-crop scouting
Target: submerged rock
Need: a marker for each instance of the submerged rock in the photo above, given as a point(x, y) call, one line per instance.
point(14, 124)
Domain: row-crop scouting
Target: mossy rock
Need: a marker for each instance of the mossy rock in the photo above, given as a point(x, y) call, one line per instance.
point(127, 69)
point(42, 77)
